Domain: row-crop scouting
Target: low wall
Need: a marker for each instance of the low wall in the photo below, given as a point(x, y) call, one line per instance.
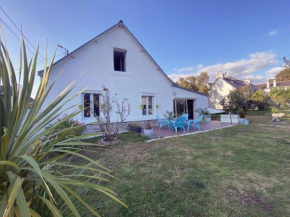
point(95, 128)
point(230, 119)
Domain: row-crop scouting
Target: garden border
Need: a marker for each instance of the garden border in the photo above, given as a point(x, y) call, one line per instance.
point(187, 134)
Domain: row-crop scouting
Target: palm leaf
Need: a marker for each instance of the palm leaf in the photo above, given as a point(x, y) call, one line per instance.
point(33, 181)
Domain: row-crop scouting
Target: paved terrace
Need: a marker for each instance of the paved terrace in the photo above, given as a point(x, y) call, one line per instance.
point(165, 132)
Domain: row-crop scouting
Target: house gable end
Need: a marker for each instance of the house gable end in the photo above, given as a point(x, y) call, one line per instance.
point(120, 24)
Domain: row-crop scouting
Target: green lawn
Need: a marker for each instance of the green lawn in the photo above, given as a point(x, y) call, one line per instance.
point(238, 171)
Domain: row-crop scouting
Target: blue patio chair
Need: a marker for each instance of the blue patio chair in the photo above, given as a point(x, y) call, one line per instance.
point(186, 116)
point(179, 123)
point(163, 123)
point(194, 123)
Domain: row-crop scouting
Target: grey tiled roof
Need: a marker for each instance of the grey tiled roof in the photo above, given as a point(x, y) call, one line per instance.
point(193, 91)
point(278, 84)
point(238, 83)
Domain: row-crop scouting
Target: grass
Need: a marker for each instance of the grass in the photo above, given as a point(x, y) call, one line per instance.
point(238, 171)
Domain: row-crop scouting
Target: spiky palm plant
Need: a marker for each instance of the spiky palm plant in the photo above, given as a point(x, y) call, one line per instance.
point(34, 181)
point(202, 111)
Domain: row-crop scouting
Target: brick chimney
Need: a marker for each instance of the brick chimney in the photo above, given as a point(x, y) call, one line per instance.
point(220, 75)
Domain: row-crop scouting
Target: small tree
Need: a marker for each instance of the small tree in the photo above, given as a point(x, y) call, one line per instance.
point(280, 96)
point(234, 102)
point(110, 130)
point(260, 99)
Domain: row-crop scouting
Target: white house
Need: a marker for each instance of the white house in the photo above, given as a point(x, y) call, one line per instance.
point(116, 59)
point(222, 87)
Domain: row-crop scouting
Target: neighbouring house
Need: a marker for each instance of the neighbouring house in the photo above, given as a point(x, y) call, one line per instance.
point(222, 86)
point(116, 59)
point(280, 84)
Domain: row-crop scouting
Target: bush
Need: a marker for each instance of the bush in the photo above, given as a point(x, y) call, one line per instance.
point(71, 123)
point(275, 110)
point(242, 114)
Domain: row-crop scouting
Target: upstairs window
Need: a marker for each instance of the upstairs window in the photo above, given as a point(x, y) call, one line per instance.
point(120, 60)
point(91, 105)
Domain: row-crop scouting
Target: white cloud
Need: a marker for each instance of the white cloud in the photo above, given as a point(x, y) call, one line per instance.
point(273, 32)
point(274, 71)
point(240, 69)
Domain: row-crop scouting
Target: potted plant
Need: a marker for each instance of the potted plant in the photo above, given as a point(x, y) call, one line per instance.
point(205, 113)
point(169, 116)
point(242, 117)
point(148, 130)
point(134, 127)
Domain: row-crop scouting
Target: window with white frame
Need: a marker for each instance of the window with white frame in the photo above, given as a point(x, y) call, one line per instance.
point(147, 105)
point(120, 60)
point(91, 105)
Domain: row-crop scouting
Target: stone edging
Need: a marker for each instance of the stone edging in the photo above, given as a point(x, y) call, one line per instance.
point(187, 134)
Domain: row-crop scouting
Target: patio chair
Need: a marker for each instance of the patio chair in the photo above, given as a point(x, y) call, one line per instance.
point(186, 116)
point(194, 123)
point(163, 123)
point(179, 123)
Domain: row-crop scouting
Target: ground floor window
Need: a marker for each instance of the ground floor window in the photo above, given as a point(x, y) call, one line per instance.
point(147, 105)
point(183, 106)
point(91, 105)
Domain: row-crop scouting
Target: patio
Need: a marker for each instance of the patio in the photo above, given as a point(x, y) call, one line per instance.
point(165, 132)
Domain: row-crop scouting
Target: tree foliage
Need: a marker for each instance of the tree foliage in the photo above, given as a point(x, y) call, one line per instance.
point(188, 82)
point(244, 98)
point(202, 81)
point(260, 99)
point(286, 63)
point(33, 180)
point(234, 102)
point(198, 83)
point(280, 96)
point(283, 75)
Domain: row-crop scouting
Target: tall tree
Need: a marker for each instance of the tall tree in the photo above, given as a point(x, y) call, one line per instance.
point(188, 82)
point(286, 63)
point(198, 83)
point(202, 81)
point(283, 75)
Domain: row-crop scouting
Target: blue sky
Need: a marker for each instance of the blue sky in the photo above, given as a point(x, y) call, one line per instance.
point(184, 37)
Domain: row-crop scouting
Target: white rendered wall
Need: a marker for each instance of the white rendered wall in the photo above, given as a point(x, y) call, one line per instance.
point(142, 76)
point(219, 90)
